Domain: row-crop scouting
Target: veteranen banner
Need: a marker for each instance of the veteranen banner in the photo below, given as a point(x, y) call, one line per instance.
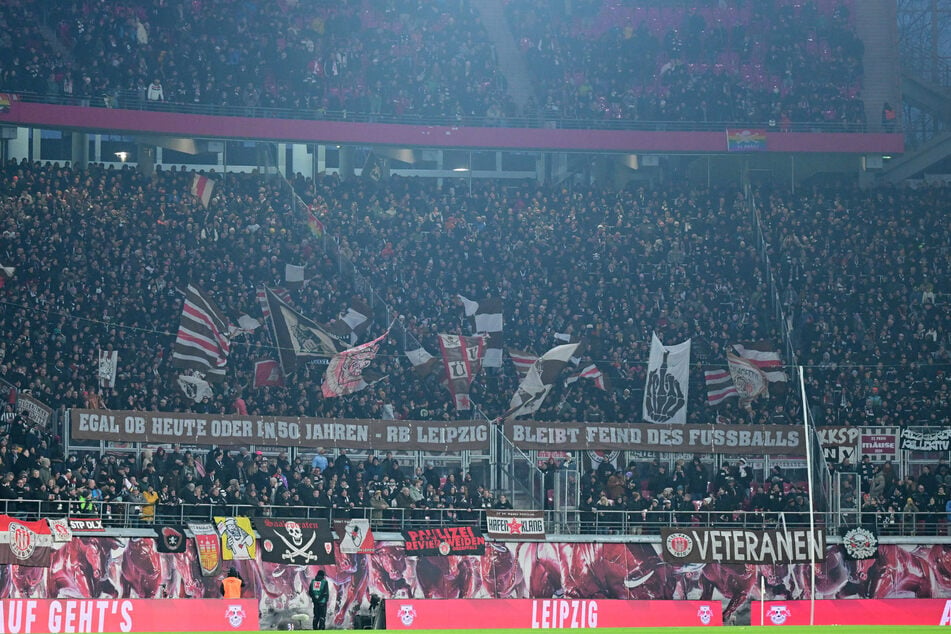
point(728, 439)
point(205, 429)
point(741, 546)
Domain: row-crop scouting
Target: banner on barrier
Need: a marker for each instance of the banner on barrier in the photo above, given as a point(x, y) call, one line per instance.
point(515, 525)
point(855, 612)
point(450, 540)
point(302, 431)
point(742, 546)
point(423, 614)
point(130, 615)
point(783, 440)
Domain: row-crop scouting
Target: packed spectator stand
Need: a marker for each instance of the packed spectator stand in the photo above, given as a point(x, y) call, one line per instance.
point(789, 65)
point(102, 254)
point(98, 268)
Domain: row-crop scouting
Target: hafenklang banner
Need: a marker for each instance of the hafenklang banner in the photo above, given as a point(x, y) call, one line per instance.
point(741, 546)
point(515, 525)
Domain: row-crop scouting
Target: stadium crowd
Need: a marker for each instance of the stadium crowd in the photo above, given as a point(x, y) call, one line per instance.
point(776, 62)
point(780, 62)
point(101, 256)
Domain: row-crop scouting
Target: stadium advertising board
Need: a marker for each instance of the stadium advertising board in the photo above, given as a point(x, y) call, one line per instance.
point(856, 612)
point(422, 614)
point(203, 429)
point(728, 439)
point(515, 525)
point(741, 546)
point(128, 615)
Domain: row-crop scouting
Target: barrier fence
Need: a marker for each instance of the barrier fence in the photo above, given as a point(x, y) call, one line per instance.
point(608, 522)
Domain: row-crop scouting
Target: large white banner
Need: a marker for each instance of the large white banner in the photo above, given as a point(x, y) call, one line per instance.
point(668, 373)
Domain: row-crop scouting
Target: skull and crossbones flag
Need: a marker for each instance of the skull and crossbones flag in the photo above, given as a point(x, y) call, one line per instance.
point(295, 542)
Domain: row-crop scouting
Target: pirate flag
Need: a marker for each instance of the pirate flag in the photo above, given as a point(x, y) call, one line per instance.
point(299, 543)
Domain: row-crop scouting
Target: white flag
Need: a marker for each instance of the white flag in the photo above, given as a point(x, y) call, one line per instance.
point(108, 362)
point(668, 373)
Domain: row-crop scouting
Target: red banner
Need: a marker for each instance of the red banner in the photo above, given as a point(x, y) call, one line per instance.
point(855, 612)
point(130, 615)
point(424, 614)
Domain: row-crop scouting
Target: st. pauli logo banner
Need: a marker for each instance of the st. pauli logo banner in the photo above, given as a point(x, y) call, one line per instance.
point(275, 431)
point(25, 543)
point(299, 543)
point(781, 440)
point(208, 545)
point(741, 546)
point(515, 525)
point(453, 540)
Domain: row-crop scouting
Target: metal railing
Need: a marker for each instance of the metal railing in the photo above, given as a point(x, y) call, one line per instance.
point(127, 101)
point(591, 522)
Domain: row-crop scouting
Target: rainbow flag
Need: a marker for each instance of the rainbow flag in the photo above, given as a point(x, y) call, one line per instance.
point(745, 140)
point(316, 226)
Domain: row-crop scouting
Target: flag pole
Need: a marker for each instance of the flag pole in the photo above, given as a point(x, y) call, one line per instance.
point(812, 509)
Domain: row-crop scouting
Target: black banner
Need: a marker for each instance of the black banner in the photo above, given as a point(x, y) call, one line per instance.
point(860, 542)
point(171, 539)
point(741, 546)
point(452, 540)
point(931, 441)
point(299, 543)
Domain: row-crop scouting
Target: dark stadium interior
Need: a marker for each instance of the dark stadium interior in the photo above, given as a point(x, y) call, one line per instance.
point(834, 260)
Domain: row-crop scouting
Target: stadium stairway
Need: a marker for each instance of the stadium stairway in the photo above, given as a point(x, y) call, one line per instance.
point(876, 23)
point(510, 59)
point(934, 151)
point(932, 98)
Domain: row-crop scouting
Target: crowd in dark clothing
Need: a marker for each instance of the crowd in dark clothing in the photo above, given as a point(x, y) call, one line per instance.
point(430, 59)
point(101, 256)
point(777, 61)
point(774, 62)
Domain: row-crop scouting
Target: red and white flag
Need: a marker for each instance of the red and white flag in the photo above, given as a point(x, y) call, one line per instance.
point(268, 374)
point(592, 373)
point(764, 356)
point(523, 361)
point(345, 373)
point(202, 186)
point(25, 543)
point(719, 385)
point(462, 360)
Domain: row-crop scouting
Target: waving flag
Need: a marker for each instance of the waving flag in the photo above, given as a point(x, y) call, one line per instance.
point(202, 186)
point(202, 342)
point(462, 360)
point(539, 380)
point(665, 393)
point(298, 338)
point(345, 373)
point(486, 318)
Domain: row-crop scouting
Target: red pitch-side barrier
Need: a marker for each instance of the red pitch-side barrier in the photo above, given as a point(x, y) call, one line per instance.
point(33, 616)
point(855, 612)
point(425, 614)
